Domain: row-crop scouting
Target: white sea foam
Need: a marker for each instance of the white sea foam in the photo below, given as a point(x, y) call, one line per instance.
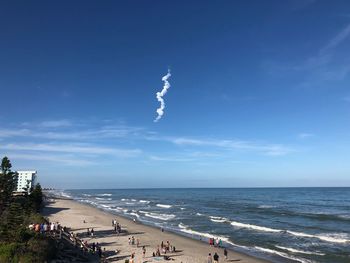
point(182, 208)
point(293, 250)
point(104, 194)
point(124, 199)
point(86, 195)
point(254, 227)
point(164, 206)
point(134, 214)
point(181, 225)
point(218, 219)
point(333, 238)
point(101, 198)
point(199, 214)
point(134, 200)
point(164, 217)
point(143, 212)
point(144, 201)
point(282, 254)
point(106, 206)
point(266, 206)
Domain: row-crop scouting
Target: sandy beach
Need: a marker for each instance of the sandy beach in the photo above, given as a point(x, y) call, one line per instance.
point(72, 214)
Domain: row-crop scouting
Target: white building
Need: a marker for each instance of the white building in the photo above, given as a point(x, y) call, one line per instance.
point(25, 179)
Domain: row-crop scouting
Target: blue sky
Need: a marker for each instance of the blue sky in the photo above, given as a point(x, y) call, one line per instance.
point(259, 92)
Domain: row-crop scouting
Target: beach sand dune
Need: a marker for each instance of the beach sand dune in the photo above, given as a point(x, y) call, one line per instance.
point(72, 214)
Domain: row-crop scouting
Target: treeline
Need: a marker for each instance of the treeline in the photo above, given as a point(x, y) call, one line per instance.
point(17, 242)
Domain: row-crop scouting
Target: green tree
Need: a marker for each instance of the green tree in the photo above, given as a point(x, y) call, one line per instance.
point(8, 183)
point(36, 197)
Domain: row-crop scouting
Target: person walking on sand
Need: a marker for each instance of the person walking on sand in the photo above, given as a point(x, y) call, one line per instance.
point(144, 251)
point(210, 259)
point(92, 232)
point(216, 258)
point(225, 253)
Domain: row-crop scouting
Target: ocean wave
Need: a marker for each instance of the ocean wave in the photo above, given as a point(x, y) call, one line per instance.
point(282, 254)
point(101, 198)
point(255, 227)
point(105, 206)
point(328, 237)
point(293, 250)
point(199, 214)
point(134, 214)
point(181, 225)
point(185, 229)
point(164, 206)
point(332, 237)
point(129, 203)
point(144, 201)
point(86, 195)
point(218, 219)
point(266, 206)
point(104, 194)
point(182, 208)
point(164, 217)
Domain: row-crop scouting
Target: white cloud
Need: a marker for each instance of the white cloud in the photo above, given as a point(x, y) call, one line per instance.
point(61, 159)
point(305, 135)
point(337, 40)
point(68, 148)
point(169, 159)
point(55, 123)
point(263, 148)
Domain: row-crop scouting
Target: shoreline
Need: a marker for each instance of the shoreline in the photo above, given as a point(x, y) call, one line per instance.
point(72, 214)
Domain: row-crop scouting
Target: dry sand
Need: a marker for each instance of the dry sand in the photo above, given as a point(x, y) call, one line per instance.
point(72, 214)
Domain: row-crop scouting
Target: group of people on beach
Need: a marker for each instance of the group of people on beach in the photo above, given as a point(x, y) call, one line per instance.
point(215, 242)
point(44, 227)
point(117, 227)
point(216, 257)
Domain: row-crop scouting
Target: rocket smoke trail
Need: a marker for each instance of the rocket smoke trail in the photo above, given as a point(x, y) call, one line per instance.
point(160, 95)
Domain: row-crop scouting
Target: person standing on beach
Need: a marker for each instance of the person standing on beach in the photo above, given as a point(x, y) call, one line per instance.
point(92, 232)
point(216, 258)
point(225, 253)
point(210, 259)
point(144, 251)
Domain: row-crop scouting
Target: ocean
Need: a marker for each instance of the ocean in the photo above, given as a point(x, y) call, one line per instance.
point(278, 224)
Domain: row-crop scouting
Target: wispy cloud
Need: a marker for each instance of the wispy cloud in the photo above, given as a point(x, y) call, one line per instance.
point(56, 123)
point(263, 148)
point(337, 39)
point(347, 99)
point(329, 63)
point(103, 132)
point(169, 159)
point(68, 160)
point(305, 135)
point(68, 148)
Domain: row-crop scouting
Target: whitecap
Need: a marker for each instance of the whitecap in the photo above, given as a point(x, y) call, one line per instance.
point(333, 238)
point(164, 217)
point(293, 250)
point(104, 194)
point(282, 254)
point(266, 206)
point(144, 201)
point(164, 206)
point(134, 214)
point(254, 227)
point(219, 220)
